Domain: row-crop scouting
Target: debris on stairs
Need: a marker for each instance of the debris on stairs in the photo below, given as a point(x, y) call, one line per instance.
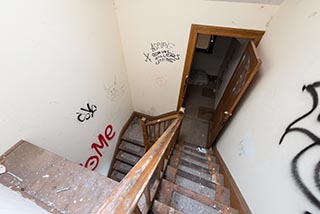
point(52, 182)
point(192, 184)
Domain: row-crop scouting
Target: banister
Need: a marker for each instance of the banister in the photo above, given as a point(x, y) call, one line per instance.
point(125, 198)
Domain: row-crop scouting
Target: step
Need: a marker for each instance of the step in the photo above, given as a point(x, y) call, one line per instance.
point(54, 183)
point(127, 158)
point(161, 208)
point(132, 148)
point(134, 130)
point(200, 185)
point(193, 160)
point(122, 167)
point(133, 141)
point(196, 153)
point(117, 176)
point(188, 201)
point(192, 146)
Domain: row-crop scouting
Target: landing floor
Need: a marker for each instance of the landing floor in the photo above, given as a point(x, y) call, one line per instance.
point(199, 104)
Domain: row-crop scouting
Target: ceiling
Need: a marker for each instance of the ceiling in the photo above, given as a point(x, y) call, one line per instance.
point(274, 2)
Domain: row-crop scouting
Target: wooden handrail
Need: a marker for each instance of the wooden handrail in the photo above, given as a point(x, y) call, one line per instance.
point(137, 182)
point(153, 129)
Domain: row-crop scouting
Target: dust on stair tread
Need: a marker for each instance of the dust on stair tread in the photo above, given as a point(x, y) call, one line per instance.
point(117, 176)
point(53, 182)
point(134, 131)
point(161, 208)
point(195, 187)
point(122, 167)
point(188, 205)
point(192, 160)
point(127, 158)
point(132, 148)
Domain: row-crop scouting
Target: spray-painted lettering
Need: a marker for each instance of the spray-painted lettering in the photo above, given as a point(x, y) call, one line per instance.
point(161, 52)
point(93, 161)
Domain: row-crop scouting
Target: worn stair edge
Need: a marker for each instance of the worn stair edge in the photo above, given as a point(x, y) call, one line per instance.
point(161, 208)
point(133, 141)
point(121, 157)
point(215, 176)
point(222, 194)
point(122, 167)
point(167, 188)
point(128, 150)
point(117, 176)
point(190, 145)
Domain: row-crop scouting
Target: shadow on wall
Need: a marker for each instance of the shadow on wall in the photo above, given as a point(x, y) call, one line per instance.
point(315, 141)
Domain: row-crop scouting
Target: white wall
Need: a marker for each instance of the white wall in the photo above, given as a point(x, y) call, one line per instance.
point(155, 88)
point(56, 56)
point(290, 55)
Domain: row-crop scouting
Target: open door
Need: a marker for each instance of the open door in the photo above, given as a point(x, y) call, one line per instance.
point(241, 79)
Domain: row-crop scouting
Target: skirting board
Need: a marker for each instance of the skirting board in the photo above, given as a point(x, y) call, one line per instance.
point(236, 199)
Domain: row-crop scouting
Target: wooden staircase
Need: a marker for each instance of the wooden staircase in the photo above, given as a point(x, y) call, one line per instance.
point(155, 175)
point(192, 184)
point(129, 150)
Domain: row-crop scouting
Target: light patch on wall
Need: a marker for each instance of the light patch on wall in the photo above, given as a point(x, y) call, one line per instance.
point(115, 90)
point(272, 2)
point(160, 80)
point(246, 146)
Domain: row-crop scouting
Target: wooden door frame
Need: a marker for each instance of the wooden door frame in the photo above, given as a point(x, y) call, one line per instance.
point(254, 35)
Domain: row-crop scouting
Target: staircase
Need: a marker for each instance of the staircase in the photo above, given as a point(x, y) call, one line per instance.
point(129, 150)
point(192, 184)
point(164, 178)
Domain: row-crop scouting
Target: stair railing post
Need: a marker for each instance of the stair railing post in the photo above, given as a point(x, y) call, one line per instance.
point(145, 134)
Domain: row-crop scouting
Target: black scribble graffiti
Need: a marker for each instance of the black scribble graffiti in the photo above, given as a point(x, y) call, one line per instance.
point(311, 89)
point(161, 52)
point(86, 114)
point(147, 55)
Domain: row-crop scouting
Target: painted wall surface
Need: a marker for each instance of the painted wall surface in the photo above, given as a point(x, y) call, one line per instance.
point(250, 146)
point(155, 87)
point(56, 57)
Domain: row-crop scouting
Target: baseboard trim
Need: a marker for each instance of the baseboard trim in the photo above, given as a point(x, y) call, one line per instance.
point(236, 199)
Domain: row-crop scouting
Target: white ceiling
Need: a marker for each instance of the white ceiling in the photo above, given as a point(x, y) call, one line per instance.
point(274, 2)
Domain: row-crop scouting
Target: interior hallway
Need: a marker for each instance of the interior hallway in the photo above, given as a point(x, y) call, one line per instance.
point(199, 103)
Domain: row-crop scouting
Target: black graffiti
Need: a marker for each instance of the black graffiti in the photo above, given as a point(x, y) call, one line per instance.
point(311, 89)
point(161, 52)
point(147, 59)
point(86, 114)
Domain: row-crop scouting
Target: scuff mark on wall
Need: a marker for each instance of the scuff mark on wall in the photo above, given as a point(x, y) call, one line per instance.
point(269, 21)
point(315, 13)
point(315, 141)
point(115, 91)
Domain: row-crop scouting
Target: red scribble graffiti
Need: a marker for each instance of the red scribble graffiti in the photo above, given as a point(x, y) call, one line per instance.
point(93, 161)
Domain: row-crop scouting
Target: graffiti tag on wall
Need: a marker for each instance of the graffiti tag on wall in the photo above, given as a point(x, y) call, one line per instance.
point(161, 52)
point(86, 113)
point(93, 161)
point(314, 142)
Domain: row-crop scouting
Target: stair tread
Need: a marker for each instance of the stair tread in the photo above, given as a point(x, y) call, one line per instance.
point(127, 158)
point(117, 176)
point(188, 205)
point(133, 141)
point(161, 208)
point(122, 167)
point(174, 195)
point(131, 148)
point(66, 183)
point(134, 130)
point(221, 193)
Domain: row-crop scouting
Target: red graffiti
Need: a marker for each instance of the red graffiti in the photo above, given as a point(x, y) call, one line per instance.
point(93, 161)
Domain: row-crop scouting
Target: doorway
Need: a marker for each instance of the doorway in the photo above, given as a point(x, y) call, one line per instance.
point(219, 60)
